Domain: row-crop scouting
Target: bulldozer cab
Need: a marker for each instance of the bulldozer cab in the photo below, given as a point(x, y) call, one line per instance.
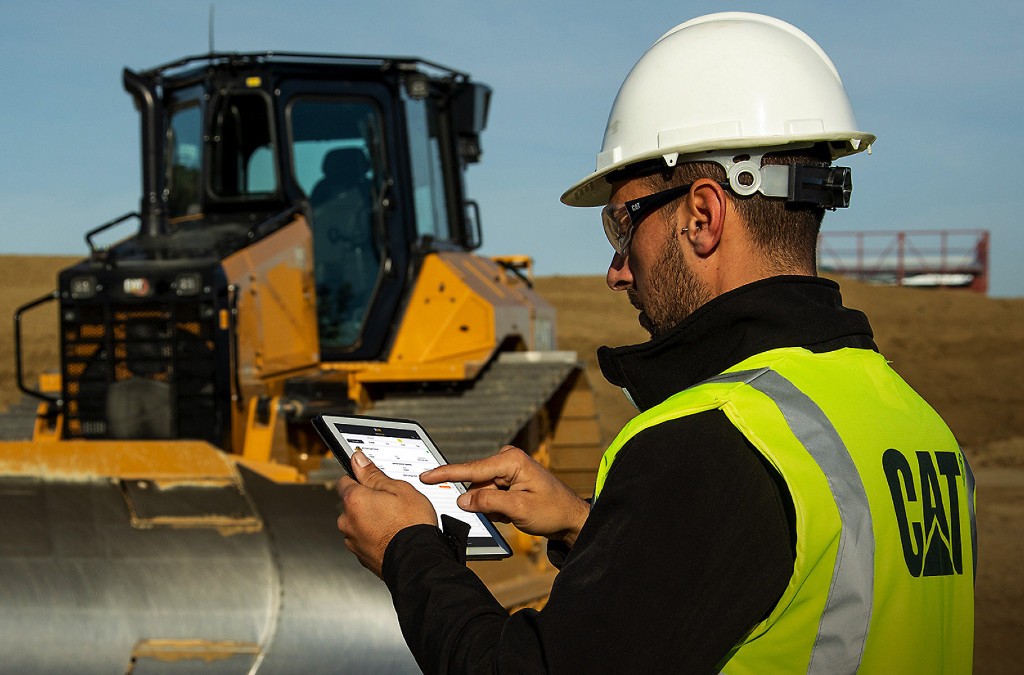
point(288, 203)
point(370, 150)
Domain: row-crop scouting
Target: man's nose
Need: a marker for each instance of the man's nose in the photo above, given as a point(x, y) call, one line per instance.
point(619, 277)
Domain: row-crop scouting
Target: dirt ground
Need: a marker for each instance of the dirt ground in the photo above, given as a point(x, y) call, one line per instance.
point(963, 352)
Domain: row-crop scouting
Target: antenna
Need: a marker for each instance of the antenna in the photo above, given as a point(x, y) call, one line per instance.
point(211, 28)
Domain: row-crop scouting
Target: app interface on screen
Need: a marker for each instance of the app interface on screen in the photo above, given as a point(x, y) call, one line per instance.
point(402, 455)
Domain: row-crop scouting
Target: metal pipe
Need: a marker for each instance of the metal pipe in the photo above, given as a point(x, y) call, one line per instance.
point(19, 374)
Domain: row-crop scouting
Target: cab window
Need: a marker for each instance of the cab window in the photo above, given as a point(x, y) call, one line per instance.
point(184, 159)
point(243, 158)
point(429, 189)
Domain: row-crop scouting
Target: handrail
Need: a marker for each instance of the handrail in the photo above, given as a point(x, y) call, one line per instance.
point(19, 376)
point(515, 265)
point(272, 223)
point(107, 225)
point(474, 233)
point(901, 257)
point(384, 62)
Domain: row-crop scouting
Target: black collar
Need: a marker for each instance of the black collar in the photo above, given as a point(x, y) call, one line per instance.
point(786, 311)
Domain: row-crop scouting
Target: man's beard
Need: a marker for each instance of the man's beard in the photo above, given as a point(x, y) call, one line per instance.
point(672, 292)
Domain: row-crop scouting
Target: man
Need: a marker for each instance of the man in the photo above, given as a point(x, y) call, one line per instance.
point(783, 502)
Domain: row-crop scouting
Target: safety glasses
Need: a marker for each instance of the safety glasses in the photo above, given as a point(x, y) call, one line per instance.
point(620, 220)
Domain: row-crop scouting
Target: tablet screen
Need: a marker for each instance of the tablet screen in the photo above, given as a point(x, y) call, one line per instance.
point(402, 450)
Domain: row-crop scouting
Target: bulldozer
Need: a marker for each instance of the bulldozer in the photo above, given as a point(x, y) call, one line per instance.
point(304, 244)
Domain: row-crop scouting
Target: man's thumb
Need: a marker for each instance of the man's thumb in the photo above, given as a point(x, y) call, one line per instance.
point(365, 471)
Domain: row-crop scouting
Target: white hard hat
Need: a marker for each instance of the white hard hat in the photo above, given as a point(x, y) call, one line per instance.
point(735, 81)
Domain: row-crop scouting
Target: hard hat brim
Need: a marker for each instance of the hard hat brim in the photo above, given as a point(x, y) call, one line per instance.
point(595, 189)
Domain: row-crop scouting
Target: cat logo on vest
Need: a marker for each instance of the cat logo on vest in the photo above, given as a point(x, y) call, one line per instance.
point(932, 546)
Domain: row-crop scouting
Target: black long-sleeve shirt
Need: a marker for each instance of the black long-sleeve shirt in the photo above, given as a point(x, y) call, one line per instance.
point(691, 542)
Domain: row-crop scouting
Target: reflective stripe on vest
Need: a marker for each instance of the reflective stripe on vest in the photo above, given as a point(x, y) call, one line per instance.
point(846, 614)
point(844, 623)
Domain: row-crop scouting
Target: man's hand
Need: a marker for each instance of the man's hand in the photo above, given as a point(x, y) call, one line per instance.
point(375, 509)
point(510, 487)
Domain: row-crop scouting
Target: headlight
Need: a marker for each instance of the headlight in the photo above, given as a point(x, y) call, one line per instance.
point(188, 283)
point(83, 288)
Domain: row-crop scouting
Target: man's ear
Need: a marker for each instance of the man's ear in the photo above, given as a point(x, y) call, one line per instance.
point(706, 209)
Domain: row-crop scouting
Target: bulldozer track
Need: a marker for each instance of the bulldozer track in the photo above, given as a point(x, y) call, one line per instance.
point(478, 421)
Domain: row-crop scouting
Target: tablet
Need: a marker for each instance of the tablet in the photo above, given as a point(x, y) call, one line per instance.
point(403, 450)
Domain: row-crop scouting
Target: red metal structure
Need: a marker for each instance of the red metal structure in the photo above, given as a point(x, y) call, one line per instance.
point(946, 258)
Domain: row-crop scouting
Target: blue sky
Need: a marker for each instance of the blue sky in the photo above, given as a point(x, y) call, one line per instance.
point(940, 83)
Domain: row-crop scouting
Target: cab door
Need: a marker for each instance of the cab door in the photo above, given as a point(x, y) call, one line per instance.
point(342, 139)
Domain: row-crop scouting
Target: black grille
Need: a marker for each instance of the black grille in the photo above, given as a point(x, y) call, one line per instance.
point(141, 371)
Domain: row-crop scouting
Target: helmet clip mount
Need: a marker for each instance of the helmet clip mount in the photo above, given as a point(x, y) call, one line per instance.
point(808, 184)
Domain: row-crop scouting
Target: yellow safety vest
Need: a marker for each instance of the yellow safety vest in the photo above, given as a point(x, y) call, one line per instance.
point(886, 543)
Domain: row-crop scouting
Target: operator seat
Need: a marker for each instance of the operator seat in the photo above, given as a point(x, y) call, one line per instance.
point(343, 169)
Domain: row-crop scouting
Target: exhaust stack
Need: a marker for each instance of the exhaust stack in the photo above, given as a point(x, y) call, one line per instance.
point(144, 92)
